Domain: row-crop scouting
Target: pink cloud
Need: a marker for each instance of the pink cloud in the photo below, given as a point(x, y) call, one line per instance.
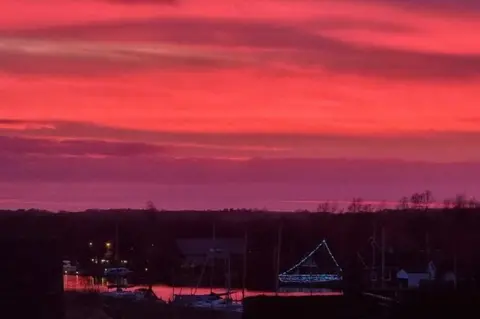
point(281, 85)
point(271, 44)
point(143, 2)
point(14, 146)
point(312, 104)
point(74, 138)
point(463, 6)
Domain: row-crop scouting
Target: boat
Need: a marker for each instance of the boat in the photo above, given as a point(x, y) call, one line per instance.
point(69, 269)
point(116, 272)
point(305, 272)
point(212, 301)
point(139, 294)
point(216, 302)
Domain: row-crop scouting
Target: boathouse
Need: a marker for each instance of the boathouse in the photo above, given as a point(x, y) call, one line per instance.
point(195, 251)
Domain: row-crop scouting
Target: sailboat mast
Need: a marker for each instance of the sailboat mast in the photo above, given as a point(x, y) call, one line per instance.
point(279, 248)
point(427, 246)
point(455, 269)
point(374, 255)
point(117, 250)
point(245, 253)
point(229, 276)
point(383, 257)
point(212, 267)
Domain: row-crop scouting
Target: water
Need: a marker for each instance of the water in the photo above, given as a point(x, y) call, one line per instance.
point(86, 283)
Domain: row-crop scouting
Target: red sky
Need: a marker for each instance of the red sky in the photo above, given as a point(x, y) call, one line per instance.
point(210, 103)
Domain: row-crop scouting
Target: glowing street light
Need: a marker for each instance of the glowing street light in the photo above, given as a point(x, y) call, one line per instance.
point(90, 244)
point(108, 245)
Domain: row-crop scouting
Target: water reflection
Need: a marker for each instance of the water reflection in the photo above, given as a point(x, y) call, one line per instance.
point(86, 283)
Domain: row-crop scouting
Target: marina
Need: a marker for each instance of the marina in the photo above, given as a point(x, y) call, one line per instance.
point(73, 283)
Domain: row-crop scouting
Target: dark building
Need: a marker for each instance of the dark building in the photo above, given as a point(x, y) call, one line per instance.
point(222, 256)
point(31, 278)
point(197, 249)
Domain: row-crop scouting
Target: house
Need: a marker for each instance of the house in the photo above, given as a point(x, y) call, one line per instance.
point(412, 276)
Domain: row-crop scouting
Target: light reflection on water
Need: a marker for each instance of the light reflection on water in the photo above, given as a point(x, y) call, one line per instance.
point(86, 283)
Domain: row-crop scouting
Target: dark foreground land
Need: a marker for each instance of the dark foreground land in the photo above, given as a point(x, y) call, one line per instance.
point(93, 306)
point(148, 238)
point(84, 306)
point(416, 305)
point(354, 306)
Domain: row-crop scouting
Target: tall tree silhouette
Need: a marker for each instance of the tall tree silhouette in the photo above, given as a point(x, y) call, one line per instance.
point(356, 205)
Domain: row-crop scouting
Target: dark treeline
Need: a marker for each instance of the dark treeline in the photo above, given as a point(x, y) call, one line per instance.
point(148, 237)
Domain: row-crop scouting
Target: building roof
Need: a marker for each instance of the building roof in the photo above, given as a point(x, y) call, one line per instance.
point(204, 246)
point(416, 266)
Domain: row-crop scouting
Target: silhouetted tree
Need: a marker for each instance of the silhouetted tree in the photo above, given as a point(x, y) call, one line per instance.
point(403, 203)
point(460, 201)
point(420, 200)
point(327, 207)
point(472, 202)
point(416, 200)
point(367, 208)
point(381, 206)
point(355, 206)
point(427, 199)
point(447, 203)
point(151, 206)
